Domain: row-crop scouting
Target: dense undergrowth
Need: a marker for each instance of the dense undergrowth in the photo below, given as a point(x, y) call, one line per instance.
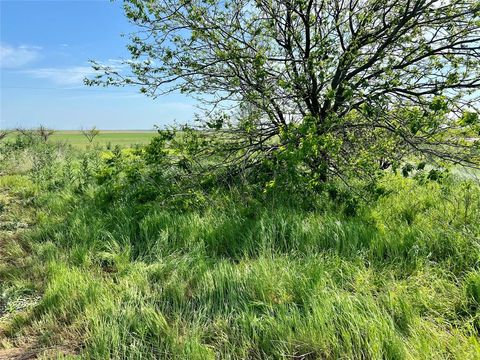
point(130, 264)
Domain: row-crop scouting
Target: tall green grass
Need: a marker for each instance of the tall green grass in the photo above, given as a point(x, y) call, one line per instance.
point(242, 278)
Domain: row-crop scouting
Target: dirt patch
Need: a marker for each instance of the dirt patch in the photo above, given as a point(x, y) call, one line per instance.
point(18, 354)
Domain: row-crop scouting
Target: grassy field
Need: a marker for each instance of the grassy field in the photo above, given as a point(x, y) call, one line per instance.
point(99, 261)
point(113, 137)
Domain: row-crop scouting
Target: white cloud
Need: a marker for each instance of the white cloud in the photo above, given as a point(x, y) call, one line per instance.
point(62, 76)
point(70, 76)
point(15, 57)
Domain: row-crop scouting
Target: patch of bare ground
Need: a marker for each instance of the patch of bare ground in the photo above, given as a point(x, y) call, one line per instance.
point(18, 354)
point(33, 350)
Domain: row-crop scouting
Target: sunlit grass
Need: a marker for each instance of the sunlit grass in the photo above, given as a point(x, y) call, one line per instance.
point(104, 138)
point(244, 279)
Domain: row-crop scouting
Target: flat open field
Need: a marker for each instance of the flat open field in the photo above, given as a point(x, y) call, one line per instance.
point(114, 137)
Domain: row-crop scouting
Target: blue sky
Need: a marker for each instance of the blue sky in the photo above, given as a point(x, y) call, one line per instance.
point(44, 51)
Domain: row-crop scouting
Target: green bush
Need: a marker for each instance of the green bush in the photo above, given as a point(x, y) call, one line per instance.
point(140, 261)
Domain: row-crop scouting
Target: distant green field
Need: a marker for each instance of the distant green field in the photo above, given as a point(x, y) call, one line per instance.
point(112, 137)
point(123, 138)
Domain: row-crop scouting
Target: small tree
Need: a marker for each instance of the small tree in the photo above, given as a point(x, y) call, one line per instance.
point(331, 84)
point(44, 133)
point(90, 134)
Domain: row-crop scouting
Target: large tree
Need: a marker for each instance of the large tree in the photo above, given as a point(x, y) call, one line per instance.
point(336, 82)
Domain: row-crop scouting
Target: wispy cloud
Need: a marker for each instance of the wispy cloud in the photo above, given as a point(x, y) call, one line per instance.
point(69, 76)
point(73, 75)
point(18, 56)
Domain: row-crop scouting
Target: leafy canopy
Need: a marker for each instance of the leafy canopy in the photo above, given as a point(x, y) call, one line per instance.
point(328, 85)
